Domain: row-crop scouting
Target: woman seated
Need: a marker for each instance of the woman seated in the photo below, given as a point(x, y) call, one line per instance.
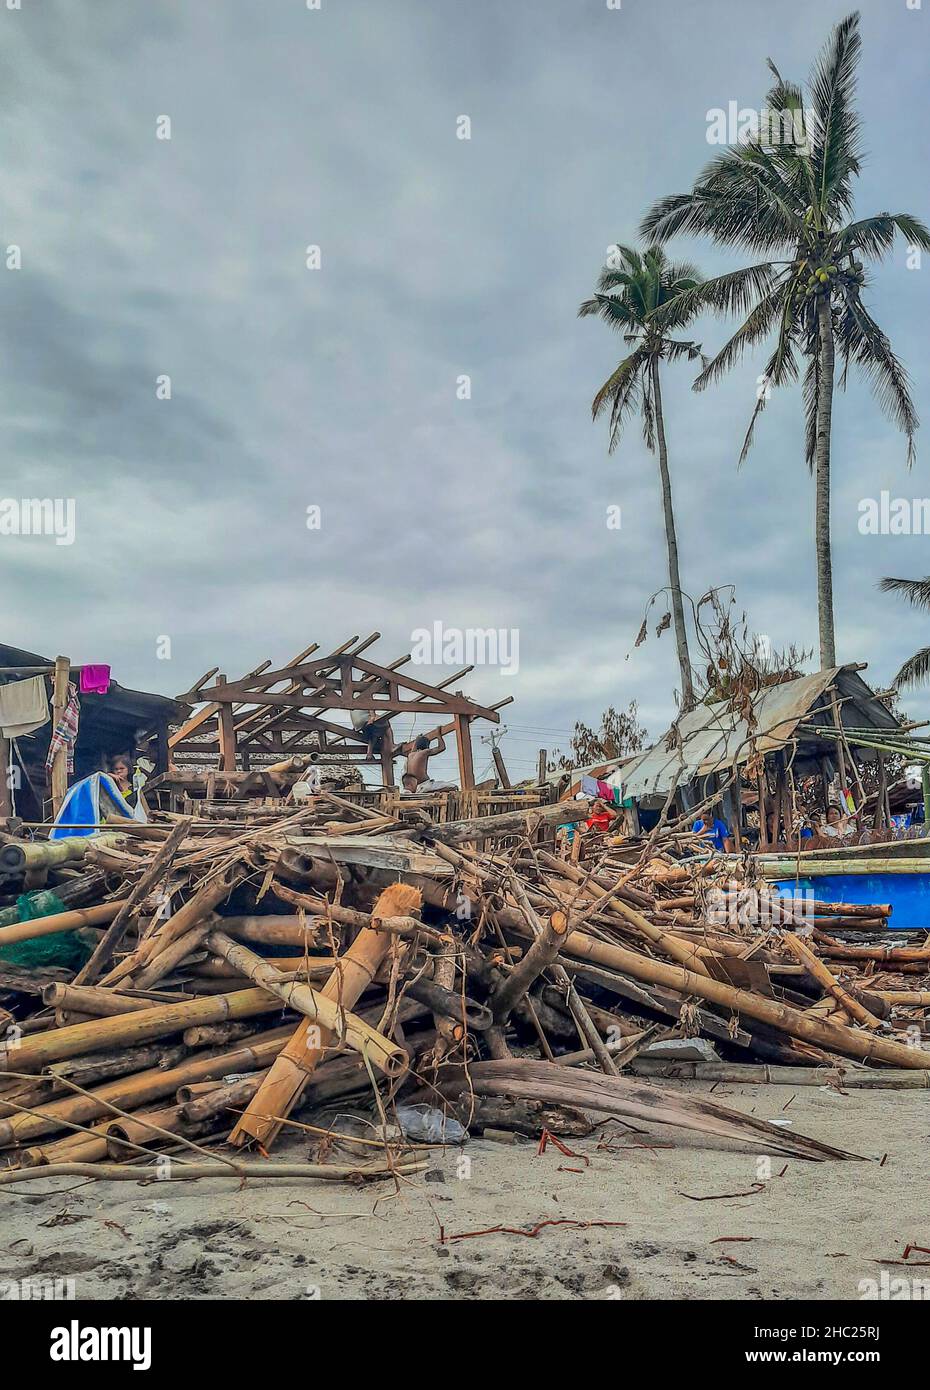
point(836, 825)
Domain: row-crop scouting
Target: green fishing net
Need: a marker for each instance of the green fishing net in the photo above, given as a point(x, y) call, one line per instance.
point(65, 949)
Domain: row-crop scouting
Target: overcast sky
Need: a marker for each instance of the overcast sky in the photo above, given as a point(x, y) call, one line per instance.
point(441, 258)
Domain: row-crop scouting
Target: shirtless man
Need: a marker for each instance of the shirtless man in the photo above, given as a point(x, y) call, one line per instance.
point(418, 755)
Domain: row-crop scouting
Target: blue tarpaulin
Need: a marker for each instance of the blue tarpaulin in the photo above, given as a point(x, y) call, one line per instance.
point(86, 805)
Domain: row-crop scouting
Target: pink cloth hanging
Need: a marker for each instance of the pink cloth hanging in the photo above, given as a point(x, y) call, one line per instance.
point(95, 680)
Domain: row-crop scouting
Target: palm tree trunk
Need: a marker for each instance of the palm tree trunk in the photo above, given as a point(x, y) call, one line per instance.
point(671, 541)
point(822, 492)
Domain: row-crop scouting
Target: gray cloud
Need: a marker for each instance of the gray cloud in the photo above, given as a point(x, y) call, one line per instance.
point(441, 258)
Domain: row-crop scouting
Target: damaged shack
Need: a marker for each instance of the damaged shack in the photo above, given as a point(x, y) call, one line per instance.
point(818, 729)
point(96, 719)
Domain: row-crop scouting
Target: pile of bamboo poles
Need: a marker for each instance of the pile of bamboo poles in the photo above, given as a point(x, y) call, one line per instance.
point(241, 970)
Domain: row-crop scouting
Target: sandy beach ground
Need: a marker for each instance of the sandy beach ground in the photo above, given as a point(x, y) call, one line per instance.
point(810, 1230)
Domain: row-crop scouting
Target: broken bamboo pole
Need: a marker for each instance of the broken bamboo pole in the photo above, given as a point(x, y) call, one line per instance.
point(273, 1101)
point(114, 934)
point(386, 1055)
point(538, 958)
point(131, 1092)
point(833, 987)
point(782, 1017)
point(32, 1053)
point(35, 927)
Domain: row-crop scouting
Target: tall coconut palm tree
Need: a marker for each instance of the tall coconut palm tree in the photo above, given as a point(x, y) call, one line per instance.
point(791, 200)
point(630, 291)
point(917, 592)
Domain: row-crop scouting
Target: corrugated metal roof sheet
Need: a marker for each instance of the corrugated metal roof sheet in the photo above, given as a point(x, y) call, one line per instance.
point(713, 737)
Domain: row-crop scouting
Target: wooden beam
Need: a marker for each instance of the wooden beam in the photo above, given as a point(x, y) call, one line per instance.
point(162, 755)
point(307, 672)
point(198, 720)
point(59, 774)
point(6, 800)
point(463, 746)
point(371, 685)
point(304, 724)
point(227, 736)
point(408, 682)
point(33, 670)
point(246, 686)
point(450, 704)
point(273, 720)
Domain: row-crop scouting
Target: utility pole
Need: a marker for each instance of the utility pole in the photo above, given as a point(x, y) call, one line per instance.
point(494, 738)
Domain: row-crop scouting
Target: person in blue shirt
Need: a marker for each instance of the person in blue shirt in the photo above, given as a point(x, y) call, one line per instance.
point(718, 833)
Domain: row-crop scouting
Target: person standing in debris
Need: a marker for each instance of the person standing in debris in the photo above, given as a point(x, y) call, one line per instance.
point(418, 753)
point(718, 833)
point(375, 730)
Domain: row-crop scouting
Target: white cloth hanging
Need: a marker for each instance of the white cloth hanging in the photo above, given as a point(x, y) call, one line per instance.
point(23, 707)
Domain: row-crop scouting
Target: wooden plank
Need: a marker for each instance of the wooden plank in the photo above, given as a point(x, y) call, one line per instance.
point(387, 767)
point(408, 682)
point(276, 719)
point(373, 852)
point(452, 704)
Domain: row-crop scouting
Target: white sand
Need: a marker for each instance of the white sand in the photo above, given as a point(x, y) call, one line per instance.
point(816, 1230)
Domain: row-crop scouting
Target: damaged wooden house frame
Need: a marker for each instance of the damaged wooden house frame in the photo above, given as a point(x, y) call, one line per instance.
point(290, 710)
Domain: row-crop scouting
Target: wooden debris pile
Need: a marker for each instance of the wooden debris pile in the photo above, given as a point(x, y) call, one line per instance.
point(236, 971)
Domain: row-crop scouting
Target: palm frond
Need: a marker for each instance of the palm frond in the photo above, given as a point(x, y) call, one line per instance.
point(780, 368)
point(668, 217)
point(733, 293)
point(915, 670)
point(757, 326)
point(912, 229)
point(612, 278)
point(622, 391)
point(682, 273)
point(836, 154)
point(916, 591)
point(785, 97)
point(874, 236)
point(612, 309)
point(742, 197)
point(810, 391)
point(675, 350)
point(870, 348)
